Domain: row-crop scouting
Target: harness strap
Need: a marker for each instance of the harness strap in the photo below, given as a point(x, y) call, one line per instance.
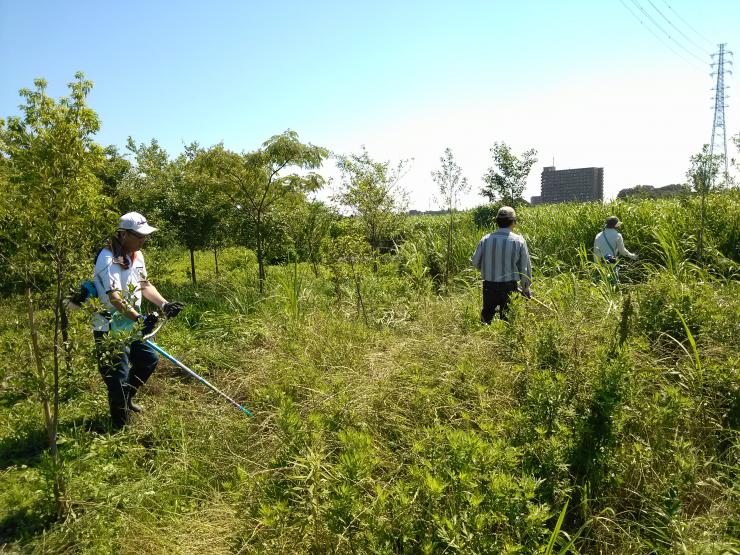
point(608, 244)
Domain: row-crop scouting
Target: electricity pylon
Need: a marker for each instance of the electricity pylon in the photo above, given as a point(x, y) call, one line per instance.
point(719, 70)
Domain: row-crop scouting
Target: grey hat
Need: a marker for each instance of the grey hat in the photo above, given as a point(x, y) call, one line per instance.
point(612, 221)
point(506, 212)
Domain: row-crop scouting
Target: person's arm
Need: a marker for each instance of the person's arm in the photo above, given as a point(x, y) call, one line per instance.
point(477, 258)
point(122, 306)
point(621, 249)
point(150, 293)
point(597, 250)
point(524, 266)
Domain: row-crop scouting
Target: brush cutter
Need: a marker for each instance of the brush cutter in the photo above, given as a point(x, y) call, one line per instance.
point(533, 298)
point(147, 339)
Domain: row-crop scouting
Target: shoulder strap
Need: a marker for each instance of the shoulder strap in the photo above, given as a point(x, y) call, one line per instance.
point(96, 275)
point(608, 244)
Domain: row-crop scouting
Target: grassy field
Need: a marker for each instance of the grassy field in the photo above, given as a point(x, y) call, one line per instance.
point(420, 430)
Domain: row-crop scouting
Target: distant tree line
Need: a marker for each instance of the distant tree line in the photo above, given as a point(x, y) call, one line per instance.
point(651, 192)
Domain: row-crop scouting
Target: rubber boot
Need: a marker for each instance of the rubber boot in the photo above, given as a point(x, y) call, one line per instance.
point(118, 416)
point(130, 405)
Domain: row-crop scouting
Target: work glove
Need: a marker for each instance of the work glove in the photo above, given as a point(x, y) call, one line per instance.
point(172, 309)
point(527, 293)
point(150, 322)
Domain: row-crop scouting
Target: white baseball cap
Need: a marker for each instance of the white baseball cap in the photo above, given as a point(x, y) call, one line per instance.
point(133, 221)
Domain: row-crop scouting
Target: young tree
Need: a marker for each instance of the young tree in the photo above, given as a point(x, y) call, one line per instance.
point(310, 229)
point(147, 184)
point(507, 178)
point(701, 175)
point(451, 183)
point(7, 243)
point(113, 171)
point(256, 181)
point(190, 207)
point(371, 191)
point(55, 211)
point(346, 255)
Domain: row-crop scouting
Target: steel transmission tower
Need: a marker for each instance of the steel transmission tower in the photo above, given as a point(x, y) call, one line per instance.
point(719, 69)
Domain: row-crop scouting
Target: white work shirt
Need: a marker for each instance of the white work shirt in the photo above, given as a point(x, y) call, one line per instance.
point(111, 275)
point(610, 242)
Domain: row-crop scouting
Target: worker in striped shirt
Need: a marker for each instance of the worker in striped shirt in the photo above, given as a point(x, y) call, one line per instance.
point(503, 260)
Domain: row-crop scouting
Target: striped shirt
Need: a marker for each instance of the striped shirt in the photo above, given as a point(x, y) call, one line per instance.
point(502, 256)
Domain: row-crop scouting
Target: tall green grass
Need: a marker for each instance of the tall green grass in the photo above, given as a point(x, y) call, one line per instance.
point(556, 233)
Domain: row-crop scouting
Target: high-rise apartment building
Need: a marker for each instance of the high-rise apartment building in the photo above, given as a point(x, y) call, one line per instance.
point(576, 185)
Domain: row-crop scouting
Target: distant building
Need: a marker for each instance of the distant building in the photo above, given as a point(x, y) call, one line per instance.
point(576, 185)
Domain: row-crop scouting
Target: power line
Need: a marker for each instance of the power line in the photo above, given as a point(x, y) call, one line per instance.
point(664, 43)
point(704, 50)
point(688, 24)
point(639, 6)
point(668, 46)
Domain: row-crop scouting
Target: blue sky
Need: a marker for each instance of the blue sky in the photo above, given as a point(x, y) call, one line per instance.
point(584, 82)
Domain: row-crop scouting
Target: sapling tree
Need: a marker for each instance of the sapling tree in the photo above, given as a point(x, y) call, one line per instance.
point(702, 174)
point(191, 208)
point(55, 210)
point(223, 234)
point(147, 184)
point(372, 193)
point(174, 193)
point(255, 181)
point(309, 229)
point(113, 171)
point(7, 244)
point(451, 185)
point(507, 178)
point(346, 255)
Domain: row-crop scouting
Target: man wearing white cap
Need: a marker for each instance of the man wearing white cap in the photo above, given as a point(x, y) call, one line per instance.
point(503, 260)
point(121, 282)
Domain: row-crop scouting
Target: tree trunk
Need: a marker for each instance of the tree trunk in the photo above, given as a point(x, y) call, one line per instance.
point(358, 292)
point(49, 420)
point(192, 265)
point(261, 267)
point(375, 247)
point(260, 257)
point(67, 345)
point(215, 259)
point(449, 250)
point(58, 486)
point(701, 228)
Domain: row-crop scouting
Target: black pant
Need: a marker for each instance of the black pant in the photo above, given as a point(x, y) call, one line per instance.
point(123, 373)
point(496, 295)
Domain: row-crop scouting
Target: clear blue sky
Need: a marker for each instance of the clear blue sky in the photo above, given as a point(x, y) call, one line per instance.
point(582, 81)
